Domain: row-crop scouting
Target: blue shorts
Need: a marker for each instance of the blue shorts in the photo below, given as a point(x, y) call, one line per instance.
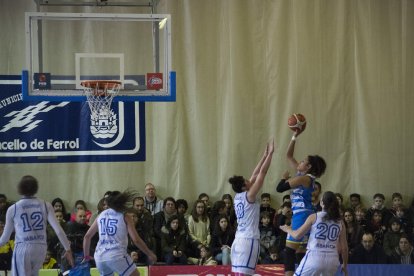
point(298, 220)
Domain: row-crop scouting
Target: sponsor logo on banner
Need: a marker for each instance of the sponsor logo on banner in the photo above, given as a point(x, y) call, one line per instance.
point(154, 81)
point(67, 131)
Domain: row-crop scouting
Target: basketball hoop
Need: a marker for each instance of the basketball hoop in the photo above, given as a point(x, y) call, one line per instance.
point(99, 94)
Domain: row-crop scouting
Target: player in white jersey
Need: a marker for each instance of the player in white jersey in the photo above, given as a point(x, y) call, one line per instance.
point(114, 226)
point(246, 246)
point(28, 219)
point(327, 238)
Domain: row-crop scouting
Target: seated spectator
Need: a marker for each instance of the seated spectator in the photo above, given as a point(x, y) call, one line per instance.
point(205, 257)
point(231, 214)
point(392, 237)
point(206, 199)
point(75, 232)
point(199, 227)
point(151, 201)
point(355, 201)
point(102, 205)
point(174, 242)
point(58, 205)
point(368, 252)
point(221, 240)
point(376, 227)
point(135, 257)
point(273, 257)
point(4, 205)
point(397, 201)
point(403, 254)
point(353, 229)
point(6, 251)
point(284, 218)
point(80, 205)
point(265, 205)
point(404, 221)
point(360, 217)
point(182, 207)
point(316, 203)
point(219, 208)
point(49, 262)
point(160, 221)
point(267, 234)
point(379, 200)
point(53, 244)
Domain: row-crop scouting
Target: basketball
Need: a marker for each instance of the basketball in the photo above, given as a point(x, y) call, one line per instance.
point(297, 122)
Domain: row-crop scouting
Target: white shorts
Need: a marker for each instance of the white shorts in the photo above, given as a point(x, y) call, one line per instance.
point(318, 263)
point(28, 259)
point(244, 255)
point(122, 266)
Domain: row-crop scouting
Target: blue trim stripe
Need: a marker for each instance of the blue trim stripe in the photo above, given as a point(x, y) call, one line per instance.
point(15, 259)
point(129, 266)
point(304, 263)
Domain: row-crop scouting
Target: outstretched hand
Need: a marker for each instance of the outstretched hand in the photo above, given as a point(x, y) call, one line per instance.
point(285, 228)
point(270, 147)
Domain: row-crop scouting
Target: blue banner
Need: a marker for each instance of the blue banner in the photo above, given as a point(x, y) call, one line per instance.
point(48, 132)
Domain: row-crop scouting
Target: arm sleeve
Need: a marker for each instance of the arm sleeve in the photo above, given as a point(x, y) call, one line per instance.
point(283, 186)
point(56, 226)
point(9, 227)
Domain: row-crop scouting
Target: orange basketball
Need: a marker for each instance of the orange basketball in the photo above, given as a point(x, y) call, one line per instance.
point(297, 122)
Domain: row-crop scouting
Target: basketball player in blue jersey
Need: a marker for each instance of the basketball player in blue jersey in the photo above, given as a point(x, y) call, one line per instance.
point(28, 218)
point(114, 226)
point(327, 238)
point(246, 246)
point(302, 186)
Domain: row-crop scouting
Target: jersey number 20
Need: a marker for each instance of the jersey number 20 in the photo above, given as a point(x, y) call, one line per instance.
point(327, 231)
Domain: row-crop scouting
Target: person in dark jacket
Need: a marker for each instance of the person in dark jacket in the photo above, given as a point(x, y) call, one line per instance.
point(368, 252)
point(173, 242)
point(404, 253)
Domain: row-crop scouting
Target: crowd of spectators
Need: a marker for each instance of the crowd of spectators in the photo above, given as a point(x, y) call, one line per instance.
point(203, 235)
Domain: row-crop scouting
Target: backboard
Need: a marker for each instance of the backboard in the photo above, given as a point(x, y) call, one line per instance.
point(64, 49)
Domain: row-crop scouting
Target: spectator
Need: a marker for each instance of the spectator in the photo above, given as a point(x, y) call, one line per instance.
point(221, 240)
point(360, 217)
point(182, 207)
point(340, 199)
point(199, 226)
point(368, 252)
point(135, 257)
point(76, 231)
point(6, 251)
point(355, 201)
point(205, 257)
point(265, 205)
point(379, 200)
point(267, 234)
point(102, 206)
point(151, 202)
point(174, 242)
point(228, 199)
point(404, 221)
point(317, 189)
point(353, 229)
point(49, 262)
point(4, 205)
point(58, 205)
point(376, 227)
point(206, 199)
point(80, 205)
point(392, 237)
point(160, 220)
point(284, 218)
point(219, 208)
point(273, 257)
point(404, 253)
point(397, 201)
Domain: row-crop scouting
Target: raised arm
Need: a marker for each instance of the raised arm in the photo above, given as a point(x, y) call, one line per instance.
point(299, 233)
point(258, 183)
point(259, 165)
point(291, 149)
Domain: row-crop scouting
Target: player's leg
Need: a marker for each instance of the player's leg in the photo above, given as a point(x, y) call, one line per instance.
point(28, 259)
point(290, 257)
point(244, 256)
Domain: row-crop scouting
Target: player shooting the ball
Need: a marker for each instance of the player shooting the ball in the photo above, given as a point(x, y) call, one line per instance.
point(302, 186)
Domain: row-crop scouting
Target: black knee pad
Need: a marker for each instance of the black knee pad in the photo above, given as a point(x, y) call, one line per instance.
point(299, 257)
point(289, 259)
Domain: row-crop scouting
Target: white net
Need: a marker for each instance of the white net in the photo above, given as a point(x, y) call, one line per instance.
point(99, 95)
